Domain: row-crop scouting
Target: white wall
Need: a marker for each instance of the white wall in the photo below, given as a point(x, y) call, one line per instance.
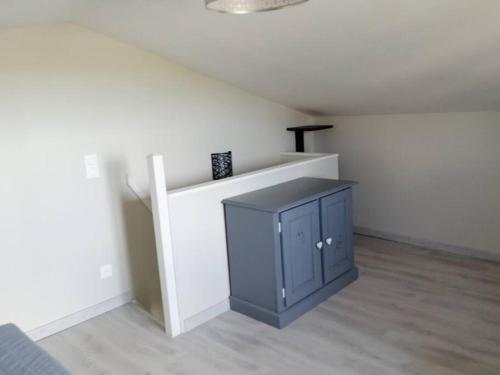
point(65, 92)
point(433, 177)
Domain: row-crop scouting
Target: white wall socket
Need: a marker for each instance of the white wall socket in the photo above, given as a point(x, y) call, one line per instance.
point(106, 271)
point(92, 166)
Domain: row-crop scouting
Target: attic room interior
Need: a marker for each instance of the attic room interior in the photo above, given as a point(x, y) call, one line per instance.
point(250, 187)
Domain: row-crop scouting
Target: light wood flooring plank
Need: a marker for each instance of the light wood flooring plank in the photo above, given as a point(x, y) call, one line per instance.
point(412, 311)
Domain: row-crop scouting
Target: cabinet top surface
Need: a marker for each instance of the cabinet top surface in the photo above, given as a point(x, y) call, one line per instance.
point(289, 194)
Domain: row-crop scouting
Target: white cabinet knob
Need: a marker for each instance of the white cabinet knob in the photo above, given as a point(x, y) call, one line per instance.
point(329, 241)
point(319, 245)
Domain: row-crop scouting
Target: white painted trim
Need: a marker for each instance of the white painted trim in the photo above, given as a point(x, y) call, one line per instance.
point(206, 315)
point(429, 245)
point(287, 157)
point(159, 202)
point(79, 317)
point(245, 176)
point(139, 193)
point(305, 154)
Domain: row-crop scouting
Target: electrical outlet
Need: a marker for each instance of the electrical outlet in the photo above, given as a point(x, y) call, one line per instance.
point(92, 166)
point(106, 271)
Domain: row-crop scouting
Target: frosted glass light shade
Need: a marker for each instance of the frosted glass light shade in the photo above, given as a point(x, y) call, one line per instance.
point(249, 6)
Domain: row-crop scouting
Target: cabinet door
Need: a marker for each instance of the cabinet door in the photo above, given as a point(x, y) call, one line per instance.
point(336, 222)
point(301, 253)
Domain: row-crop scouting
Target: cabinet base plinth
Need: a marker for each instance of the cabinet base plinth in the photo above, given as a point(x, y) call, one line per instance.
point(281, 320)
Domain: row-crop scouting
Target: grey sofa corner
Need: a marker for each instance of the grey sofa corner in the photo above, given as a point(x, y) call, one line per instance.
point(21, 356)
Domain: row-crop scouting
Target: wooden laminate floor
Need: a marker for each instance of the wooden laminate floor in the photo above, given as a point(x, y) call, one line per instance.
point(412, 311)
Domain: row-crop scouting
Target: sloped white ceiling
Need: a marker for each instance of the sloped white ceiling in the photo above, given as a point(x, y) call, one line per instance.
point(323, 57)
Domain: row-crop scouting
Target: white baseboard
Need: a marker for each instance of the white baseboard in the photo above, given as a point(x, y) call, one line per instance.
point(206, 315)
point(426, 244)
point(79, 317)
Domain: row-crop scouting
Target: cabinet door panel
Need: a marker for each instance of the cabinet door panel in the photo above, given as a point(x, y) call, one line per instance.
point(336, 224)
point(301, 257)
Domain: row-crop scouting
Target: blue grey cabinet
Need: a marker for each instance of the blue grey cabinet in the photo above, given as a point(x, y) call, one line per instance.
point(289, 247)
point(336, 224)
point(302, 268)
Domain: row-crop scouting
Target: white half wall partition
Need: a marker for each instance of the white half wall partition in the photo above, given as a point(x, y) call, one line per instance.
point(191, 240)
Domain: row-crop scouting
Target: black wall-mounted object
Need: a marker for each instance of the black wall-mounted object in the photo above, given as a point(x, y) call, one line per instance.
point(299, 134)
point(222, 165)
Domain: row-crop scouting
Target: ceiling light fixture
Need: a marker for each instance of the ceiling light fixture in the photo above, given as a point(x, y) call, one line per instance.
point(249, 6)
